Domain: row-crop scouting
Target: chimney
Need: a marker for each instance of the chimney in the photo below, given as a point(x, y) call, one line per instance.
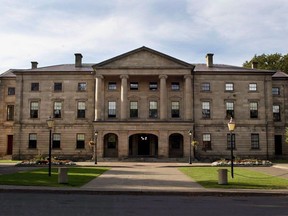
point(209, 60)
point(254, 65)
point(34, 64)
point(78, 60)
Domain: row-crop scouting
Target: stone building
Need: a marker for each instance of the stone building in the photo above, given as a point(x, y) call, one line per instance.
point(143, 104)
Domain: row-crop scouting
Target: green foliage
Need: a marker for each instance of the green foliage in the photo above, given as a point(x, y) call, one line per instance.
point(269, 62)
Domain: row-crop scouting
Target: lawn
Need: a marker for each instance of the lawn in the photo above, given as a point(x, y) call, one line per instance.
point(243, 178)
point(77, 176)
point(9, 161)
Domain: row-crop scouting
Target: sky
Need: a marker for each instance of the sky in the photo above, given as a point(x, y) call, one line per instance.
point(51, 31)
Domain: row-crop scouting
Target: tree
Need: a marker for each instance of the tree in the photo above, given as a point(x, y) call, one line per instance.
point(270, 62)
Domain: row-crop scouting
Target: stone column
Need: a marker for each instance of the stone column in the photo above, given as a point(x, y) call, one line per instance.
point(188, 97)
point(163, 97)
point(99, 99)
point(123, 114)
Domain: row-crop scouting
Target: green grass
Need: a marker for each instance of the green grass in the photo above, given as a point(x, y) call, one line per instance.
point(243, 178)
point(9, 161)
point(77, 176)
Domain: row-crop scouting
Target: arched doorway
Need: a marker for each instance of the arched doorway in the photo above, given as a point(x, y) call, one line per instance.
point(143, 145)
point(175, 145)
point(110, 145)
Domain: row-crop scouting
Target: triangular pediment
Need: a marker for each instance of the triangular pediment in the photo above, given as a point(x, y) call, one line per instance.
point(143, 58)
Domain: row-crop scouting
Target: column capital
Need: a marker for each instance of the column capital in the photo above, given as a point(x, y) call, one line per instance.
point(99, 76)
point(188, 76)
point(163, 76)
point(124, 76)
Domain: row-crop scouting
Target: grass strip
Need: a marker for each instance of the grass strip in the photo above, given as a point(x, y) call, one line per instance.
point(243, 178)
point(77, 176)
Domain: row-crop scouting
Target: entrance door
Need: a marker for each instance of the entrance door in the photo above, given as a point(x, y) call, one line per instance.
point(9, 144)
point(143, 145)
point(278, 144)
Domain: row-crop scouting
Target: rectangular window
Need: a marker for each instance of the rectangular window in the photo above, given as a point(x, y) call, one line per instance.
point(81, 109)
point(32, 141)
point(275, 91)
point(80, 142)
point(206, 110)
point(233, 141)
point(229, 110)
point(253, 110)
point(58, 86)
point(56, 143)
point(10, 112)
point(153, 109)
point(34, 108)
point(57, 110)
point(276, 113)
point(82, 86)
point(11, 91)
point(153, 86)
point(34, 86)
point(175, 86)
point(207, 141)
point(133, 85)
point(255, 141)
point(112, 86)
point(133, 109)
point(252, 87)
point(229, 87)
point(175, 109)
point(205, 86)
point(111, 109)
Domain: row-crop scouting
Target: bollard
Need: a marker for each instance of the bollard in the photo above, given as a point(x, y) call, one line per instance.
point(62, 175)
point(222, 177)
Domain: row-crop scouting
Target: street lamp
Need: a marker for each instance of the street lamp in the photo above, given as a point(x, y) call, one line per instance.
point(190, 135)
point(231, 127)
point(50, 123)
point(95, 146)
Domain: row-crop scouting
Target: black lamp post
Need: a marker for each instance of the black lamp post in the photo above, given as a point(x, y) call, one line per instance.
point(95, 146)
point(190, 143)
point(50, 123)
point(231, 126)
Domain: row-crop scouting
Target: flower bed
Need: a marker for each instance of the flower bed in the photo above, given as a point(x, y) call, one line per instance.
point(46, 162)
point(244, 162)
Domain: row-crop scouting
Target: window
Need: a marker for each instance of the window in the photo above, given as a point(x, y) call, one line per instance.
point(10, 112)
point(276, 113)
point(205, 86)
point(153, 110)
point(133, 109)
point(32, 141)
point(34, 107)
point(253, 110)
point(275, 91)
point(175, 86)
point(57, 109)
point(80, 143)
point(81, 107)
point(112, 86)
point(233, 141)
point(255, 141)
point(34, 86)
point(111, 109)
point(153, 86)
point(229, 87)
point(229, 110)
point(11, 91)
point(175, 109)
point(57, 86)
point(207, 141)
point(133, 85)
point(206, 110)
point(252, 87)
point(56, 141)
point(82, 86)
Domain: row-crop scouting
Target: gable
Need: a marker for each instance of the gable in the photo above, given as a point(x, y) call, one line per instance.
point(143, 58)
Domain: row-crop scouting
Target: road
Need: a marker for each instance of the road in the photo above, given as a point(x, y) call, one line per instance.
point(44, 204)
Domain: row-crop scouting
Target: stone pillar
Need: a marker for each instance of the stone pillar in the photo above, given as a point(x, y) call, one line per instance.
point(188, 97)
point(98, 98)
point(163, 97)
point(123, 114)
